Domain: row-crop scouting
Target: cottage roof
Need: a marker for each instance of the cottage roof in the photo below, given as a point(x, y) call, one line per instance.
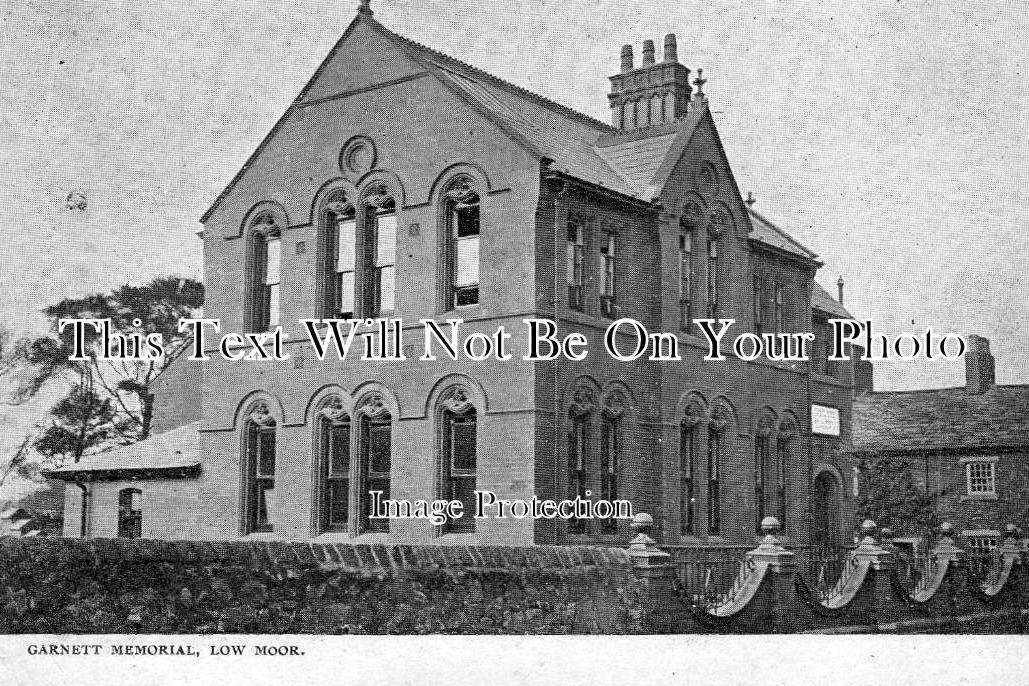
point(173, 453)
point(942, 419)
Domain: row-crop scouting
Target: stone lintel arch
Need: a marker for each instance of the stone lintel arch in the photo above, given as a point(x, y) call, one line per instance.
point(269, 207)
point(692, 406)
point(321, 397)
point(329, 189)
point(582, 396)
point(474, 173)
point(250, 401)
point(789, 425)
point(374, 399)
point(722, 416)
point(371, 183)
point(617, 400)
point(765, 421)
point(450, 383)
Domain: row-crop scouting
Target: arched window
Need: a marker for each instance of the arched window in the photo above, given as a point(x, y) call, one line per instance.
point(720, 418)
point(339, 257)
point(783, 445)
point(712, 277)
point(334, 468)
point(265, 274)
point(582, 407)
point(375, 454)
point(458, 456)
point(378, 270)
point(686, 275)
point(461, 250)
point(688, 470)
point(762, 462)
point(260, 506)
point(130, 513)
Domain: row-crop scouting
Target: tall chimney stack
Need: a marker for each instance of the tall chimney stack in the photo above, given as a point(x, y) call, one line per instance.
point(979, 365)
point(654, 94)
point(839, 287)
point(648, 53)
point(671, 52)
point(626, 58)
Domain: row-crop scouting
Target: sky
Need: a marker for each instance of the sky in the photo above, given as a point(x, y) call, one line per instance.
point(892, 138)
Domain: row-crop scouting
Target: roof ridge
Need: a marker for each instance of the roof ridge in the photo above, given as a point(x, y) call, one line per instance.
point(564, 109)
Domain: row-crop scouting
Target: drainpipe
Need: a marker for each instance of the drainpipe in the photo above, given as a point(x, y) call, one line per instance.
point(85, 509)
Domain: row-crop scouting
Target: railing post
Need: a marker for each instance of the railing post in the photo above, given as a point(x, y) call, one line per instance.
point(1013, 551)
point(781, 571)
point(655, 572)
point(880, 559)
point(946, 553)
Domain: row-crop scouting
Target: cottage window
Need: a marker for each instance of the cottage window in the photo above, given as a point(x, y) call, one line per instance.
point(980, 476)
point(130, 513)
point(458, 466)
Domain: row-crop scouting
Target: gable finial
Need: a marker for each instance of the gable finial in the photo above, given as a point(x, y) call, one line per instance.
point(750, 199)
point(699, 83)
point(366, 7)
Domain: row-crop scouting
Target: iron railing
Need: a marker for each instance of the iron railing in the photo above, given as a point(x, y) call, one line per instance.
point(709, 577)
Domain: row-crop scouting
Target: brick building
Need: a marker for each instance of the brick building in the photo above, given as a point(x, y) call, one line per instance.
point(404, 183)
point(965, 448)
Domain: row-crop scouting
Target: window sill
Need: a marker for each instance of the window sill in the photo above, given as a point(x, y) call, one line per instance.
point(978, 496)
point(456, 539)
point(262, 536)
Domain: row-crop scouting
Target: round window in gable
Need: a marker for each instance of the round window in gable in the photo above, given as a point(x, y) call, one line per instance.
point(357, 156)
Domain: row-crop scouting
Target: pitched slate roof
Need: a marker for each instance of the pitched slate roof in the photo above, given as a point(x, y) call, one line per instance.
point(942, 419)
point(176, 451)
point(821, 300)
point(768, 233)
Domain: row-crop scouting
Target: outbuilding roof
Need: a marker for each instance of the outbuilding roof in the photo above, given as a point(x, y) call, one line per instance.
point(942, 419)
point(173, 453)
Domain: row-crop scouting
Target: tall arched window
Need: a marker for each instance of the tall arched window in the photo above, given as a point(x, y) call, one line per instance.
point(688, 470)
point(461, 250)
point(334, 468)
point(782, 465)
point(260, 506)
point(265, 274)
point(375, 454)
point(339, 257)
point(686, 276)
point(458, 457)
point(130, 513)
point(712, 277)
point(578, 452)
point(378, 269)
point(720, 418)
point(762, 461)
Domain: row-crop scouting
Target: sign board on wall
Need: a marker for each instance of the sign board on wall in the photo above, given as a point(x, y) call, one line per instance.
point(825, 420)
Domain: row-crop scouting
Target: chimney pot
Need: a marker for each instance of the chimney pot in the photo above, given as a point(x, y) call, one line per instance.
point(648, 53)
point(671, 53)
point(979, 365)
point(626, 58)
